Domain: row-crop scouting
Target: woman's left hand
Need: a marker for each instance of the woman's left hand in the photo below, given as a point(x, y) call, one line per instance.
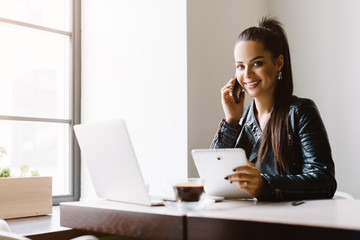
point(247, 178)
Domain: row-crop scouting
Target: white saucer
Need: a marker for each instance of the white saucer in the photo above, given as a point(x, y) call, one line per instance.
point(190, 206)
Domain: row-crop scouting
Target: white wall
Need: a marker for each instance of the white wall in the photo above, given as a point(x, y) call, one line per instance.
point(132, 43)
point(212, 29)
point(134, 67)
point(324, 37)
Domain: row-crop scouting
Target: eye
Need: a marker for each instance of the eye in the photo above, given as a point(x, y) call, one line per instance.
point(258, 64)
point(240, 67)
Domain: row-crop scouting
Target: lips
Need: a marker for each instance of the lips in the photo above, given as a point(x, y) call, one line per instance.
point(252, 84)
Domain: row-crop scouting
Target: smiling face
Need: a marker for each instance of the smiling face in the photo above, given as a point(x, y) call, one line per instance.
point(256, 68)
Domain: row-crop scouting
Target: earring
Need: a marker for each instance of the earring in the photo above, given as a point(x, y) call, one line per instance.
point(279, 75)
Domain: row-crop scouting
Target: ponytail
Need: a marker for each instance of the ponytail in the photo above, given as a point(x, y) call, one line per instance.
point(273, 37)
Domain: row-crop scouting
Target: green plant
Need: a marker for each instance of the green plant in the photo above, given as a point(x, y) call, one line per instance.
point(5, 172)
point(34, 173)
point(2, 152)
point(24, 169)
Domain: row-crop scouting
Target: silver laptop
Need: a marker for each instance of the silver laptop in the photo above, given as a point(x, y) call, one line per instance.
point(108, 152)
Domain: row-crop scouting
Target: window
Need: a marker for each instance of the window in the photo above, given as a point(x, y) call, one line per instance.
point(39, 91)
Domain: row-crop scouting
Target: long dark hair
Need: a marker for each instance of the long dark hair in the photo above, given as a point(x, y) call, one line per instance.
point(275, 135)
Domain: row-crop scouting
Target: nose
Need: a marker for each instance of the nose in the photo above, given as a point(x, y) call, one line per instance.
point(247, 72)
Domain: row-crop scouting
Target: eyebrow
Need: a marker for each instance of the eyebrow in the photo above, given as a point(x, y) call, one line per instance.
point(255, 58)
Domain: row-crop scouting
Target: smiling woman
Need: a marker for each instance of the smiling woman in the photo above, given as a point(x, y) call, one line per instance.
point(258, 74)
point(284, 137)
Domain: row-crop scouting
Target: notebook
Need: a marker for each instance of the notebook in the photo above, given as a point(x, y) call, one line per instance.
point(113, 167)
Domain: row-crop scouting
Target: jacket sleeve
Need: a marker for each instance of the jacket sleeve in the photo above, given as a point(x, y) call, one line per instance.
point(317, 178)
point(226, 136)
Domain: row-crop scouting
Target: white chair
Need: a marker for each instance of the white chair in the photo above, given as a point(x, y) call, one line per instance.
point(4, 226)
point(5, 234)
point(342, 195)
point(86, 237)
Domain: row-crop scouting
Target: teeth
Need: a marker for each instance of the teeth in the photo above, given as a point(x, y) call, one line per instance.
point(253, 83)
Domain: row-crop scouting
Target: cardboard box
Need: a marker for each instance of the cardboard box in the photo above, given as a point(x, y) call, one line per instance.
point(25, 196)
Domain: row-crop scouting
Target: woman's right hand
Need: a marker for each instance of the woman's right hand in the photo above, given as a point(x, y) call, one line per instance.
point(232, 110)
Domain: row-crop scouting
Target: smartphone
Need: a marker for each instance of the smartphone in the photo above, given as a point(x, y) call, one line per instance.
point(237, 91)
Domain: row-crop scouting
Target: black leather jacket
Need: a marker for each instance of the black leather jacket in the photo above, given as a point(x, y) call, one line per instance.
point(310, 170)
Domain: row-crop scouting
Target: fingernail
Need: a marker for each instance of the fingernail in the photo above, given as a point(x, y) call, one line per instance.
point(226, 178)
point(234, 170)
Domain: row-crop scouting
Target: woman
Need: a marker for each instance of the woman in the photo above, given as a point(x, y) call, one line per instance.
point(283, 136)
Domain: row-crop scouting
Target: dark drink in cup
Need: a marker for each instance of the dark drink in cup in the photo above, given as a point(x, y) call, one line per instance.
point(189, 190)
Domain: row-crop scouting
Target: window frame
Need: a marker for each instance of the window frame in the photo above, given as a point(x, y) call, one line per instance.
point(75, 95)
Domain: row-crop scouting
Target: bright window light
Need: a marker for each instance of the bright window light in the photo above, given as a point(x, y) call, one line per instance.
point(37, 89)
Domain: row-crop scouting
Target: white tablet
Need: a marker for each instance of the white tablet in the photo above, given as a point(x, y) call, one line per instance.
point(214, 165)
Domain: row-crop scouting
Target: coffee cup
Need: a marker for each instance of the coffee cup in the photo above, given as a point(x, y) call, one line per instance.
point(189, 190)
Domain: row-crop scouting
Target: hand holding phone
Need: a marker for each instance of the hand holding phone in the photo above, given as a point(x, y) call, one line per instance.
point(232, 100)
point(237, 91)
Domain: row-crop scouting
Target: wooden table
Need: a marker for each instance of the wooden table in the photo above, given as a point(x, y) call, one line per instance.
point(124, 219)
point(37, 224)
point(318, 219)
point(46, 227)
